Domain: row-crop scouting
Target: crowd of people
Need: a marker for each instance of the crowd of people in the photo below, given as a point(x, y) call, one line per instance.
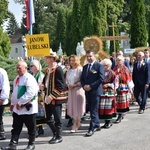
point(104, 89)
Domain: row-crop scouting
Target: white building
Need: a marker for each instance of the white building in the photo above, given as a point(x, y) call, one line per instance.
point(17, 45)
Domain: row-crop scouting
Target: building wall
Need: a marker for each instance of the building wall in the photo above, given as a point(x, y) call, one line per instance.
point(17, 50)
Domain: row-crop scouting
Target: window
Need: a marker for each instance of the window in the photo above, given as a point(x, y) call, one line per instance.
point(16, 50)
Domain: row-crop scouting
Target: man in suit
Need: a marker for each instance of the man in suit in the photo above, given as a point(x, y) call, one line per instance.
point(146, 55)
point(141, 79)
point(147, 60)
point(91, 81)
point(113, 60)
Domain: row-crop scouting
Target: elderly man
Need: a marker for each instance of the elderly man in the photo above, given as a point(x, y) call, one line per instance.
point(4, 95)
point(141, 79)
point(24, 106)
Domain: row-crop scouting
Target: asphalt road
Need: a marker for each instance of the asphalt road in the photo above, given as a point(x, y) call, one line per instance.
point(133, 133)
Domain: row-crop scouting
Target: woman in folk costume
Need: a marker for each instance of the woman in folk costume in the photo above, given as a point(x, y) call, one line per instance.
point(76, 95)
point(124, 89)
point(107, 108)
point(36, 68)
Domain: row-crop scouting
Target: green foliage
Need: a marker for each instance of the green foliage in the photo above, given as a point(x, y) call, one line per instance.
point(149, 30)
point(10, 66)
point(75, 26)
point(68, 35)
point(87, 26)
point(3, 11)
point(138, 24)
point(92, 17)
point(61, 28)
point(5, 45)
point(12, 25)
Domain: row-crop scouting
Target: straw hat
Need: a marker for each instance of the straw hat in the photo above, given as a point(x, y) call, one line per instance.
point(53, 54)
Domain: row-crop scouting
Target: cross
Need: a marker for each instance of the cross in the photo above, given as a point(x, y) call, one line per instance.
point(113, 29)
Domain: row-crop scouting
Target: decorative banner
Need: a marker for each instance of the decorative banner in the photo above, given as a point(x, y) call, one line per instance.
point(38, 45)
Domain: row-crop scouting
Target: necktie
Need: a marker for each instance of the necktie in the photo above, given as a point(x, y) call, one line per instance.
point(88, 69)
point(138, 67)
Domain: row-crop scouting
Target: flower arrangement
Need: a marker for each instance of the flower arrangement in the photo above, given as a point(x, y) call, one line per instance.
point(93, 71)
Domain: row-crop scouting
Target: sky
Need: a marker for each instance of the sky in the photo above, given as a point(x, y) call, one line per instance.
point(16, 9)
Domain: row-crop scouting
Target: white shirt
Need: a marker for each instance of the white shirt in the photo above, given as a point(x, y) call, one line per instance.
point(4, 86)
point(32, 88)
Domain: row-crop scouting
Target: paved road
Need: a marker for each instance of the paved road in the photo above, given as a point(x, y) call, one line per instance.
point(133, 133)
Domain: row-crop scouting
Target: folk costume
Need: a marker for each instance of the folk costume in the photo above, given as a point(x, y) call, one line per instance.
point(107, 107)
point(40, 117)
point(54, 84)
point(4, 95)
point(123, 95)
point(25, 90)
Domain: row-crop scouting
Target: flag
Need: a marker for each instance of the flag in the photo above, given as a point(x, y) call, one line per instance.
point(30, 18)
point(27, 14)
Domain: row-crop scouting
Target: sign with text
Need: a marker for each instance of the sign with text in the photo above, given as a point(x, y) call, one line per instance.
point(38, 45)
point(129, 50)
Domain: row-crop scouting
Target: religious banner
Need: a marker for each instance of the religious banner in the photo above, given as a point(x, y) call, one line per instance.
point(37, 45)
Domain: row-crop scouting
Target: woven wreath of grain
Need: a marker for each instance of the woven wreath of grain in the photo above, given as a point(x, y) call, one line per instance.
point(83, 60)
point(138, 49)
point(93, 43)
point(102, 55)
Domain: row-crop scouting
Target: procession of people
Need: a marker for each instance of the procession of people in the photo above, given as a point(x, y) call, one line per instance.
point(107, 92)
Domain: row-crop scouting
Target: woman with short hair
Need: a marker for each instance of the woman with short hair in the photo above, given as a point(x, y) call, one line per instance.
point(107, 108)
point(124, 89)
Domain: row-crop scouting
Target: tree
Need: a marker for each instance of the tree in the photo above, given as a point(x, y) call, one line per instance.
point(138, 24)
point(68, 31)
point(87, 26)
point(149, 30)
point(4, 11)
point(5, 45)
point(12, 25)
point(61, 28)
point(75, 26)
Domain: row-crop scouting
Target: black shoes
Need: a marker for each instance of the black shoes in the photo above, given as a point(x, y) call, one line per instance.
point(40, 131)
point(107, 125)
point(89, 133)
point(118, 120)
point(52, 140)
point(55, 140)
point(70, 123)
point(97, 129)
point(2, 137)
point(141, 111)
point(30, 147)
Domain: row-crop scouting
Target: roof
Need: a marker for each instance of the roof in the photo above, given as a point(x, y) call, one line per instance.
point(17, 37)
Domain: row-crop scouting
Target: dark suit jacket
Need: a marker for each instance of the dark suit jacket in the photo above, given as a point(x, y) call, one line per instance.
point(94, 78)
point(142, 76)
